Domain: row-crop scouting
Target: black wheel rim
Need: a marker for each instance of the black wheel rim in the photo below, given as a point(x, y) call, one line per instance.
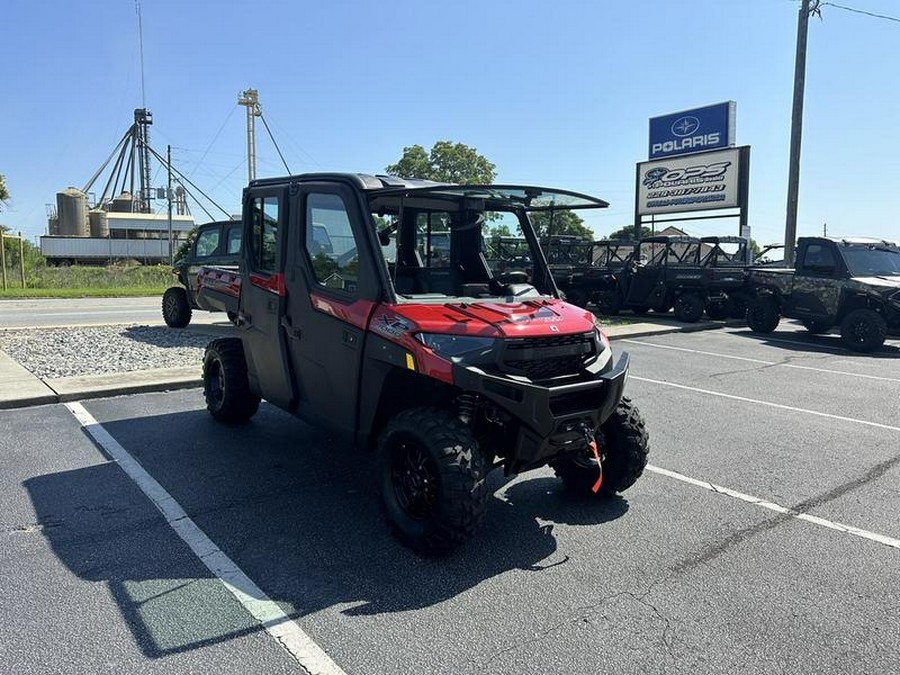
point(215, 383)
point(414, 480)
point(861, 332)
point(171, 305)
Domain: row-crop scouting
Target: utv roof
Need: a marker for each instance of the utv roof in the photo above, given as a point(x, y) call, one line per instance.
point(856, 241)
point(529, 197)
point(670, 239)
point(729, 239)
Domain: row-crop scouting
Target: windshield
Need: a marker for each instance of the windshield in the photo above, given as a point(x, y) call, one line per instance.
point(469, 242)
point(864, 261)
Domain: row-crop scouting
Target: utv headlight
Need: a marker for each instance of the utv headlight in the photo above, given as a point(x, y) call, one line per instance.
point(604, 340)
point(448, 346)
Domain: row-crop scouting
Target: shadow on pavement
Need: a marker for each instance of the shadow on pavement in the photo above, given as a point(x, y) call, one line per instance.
point(192, 336)
point(296, 510)
point(829, 343)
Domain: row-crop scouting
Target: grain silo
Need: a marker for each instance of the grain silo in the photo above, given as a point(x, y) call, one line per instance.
point(99, 221)
point(123, 203)
point(72, 212)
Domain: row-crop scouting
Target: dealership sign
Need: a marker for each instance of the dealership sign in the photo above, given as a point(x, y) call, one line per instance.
point(700, 182)
point(689, 131)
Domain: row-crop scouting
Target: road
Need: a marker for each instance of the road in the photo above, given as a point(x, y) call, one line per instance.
point(89, 312)
point(762, 539)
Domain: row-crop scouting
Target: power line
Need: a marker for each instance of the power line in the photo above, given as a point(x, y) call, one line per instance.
point(862, 11)
point(212, 142)
point(266, 125)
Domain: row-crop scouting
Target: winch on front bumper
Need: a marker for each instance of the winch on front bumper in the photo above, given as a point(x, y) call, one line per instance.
point(552, 419)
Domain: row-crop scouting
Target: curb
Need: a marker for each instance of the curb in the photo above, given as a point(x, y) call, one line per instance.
point(80, 388)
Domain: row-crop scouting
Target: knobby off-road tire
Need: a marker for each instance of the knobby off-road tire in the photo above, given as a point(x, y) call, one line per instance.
point(817, 326)
point(863, 330)
point(431, 476)
point(608, 303)
point(176, 308)
point(763, 315)
point(226, 386)
point(688, 308)
point(717, 311)
point(623, 444)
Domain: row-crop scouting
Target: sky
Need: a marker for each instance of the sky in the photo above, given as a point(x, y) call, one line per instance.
point(555, 93)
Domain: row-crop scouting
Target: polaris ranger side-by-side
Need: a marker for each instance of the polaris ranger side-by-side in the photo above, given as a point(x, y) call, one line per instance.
point(393, 341)
point(215, 244)
point(850, 283)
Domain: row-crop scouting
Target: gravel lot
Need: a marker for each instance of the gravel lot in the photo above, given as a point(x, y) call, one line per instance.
point(65, 352)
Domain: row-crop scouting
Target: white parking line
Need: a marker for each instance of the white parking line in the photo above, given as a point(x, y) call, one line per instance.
point(780, 364)
point(772, 506)
point(278, 624)
point(780, 406)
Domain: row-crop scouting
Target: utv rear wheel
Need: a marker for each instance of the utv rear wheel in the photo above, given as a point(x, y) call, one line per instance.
point(688, 307)
point(863, 330)
point(176, 308)
point(623, 445)
point(763, 315)
point(608, 303)
point(817, 326)
point(226, 386)
point(431, 476)
point(718, 310)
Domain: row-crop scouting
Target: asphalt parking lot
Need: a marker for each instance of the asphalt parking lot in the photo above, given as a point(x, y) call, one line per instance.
point(763, 539)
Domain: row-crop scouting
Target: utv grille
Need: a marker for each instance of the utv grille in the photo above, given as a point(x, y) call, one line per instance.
point(545, 358)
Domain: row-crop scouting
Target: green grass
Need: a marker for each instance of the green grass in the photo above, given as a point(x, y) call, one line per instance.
point(86, 281)
point(126, 292)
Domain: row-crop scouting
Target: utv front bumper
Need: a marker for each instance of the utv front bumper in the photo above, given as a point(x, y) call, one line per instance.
point(552, 419)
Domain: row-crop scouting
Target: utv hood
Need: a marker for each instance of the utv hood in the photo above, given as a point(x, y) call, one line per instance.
point(498, 319)
point(879, 283)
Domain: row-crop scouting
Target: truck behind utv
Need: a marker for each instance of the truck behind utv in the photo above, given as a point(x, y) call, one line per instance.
point(394, 341)
point(853, 284)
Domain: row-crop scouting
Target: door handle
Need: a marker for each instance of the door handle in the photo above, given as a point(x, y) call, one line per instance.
point(293, 333)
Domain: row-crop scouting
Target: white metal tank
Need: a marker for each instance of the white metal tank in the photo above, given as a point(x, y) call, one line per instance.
point(123, 203)
point(71, 206)
point(99, 223)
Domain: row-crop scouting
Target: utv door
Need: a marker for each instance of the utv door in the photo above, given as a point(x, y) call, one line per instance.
point(263, 296)
point(817, 283)
point(332, 288)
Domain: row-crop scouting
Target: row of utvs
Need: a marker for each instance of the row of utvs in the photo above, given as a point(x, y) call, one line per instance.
point(370, 305)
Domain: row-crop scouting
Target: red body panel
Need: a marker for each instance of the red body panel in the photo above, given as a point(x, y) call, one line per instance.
point(542, 318)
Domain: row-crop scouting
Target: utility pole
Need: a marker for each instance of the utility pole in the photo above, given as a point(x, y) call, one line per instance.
point(169, 196)
point(807, 7)
point(250, 99)
point(824, 229)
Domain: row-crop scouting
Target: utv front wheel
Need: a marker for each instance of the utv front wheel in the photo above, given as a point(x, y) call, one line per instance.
point(623, 445)
point(817, 326)
point(431, 476)
point(176, 308)
point(863, 330)
point(226, 386)
point(688, 308)
point(763, 315)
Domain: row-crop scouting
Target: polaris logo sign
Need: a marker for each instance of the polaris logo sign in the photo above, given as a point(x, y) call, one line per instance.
point(689, 131)
point(693, 183)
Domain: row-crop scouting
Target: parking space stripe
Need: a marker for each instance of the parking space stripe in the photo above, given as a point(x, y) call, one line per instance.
point(761, 361)
point(279, 625)
point(780, 406)
point(777, 508)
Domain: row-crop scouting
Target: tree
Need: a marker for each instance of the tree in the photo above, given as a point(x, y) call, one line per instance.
point(4, 193)
point(447, 163)
point(627, 233)
point(564, 222)
point(33, 257)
